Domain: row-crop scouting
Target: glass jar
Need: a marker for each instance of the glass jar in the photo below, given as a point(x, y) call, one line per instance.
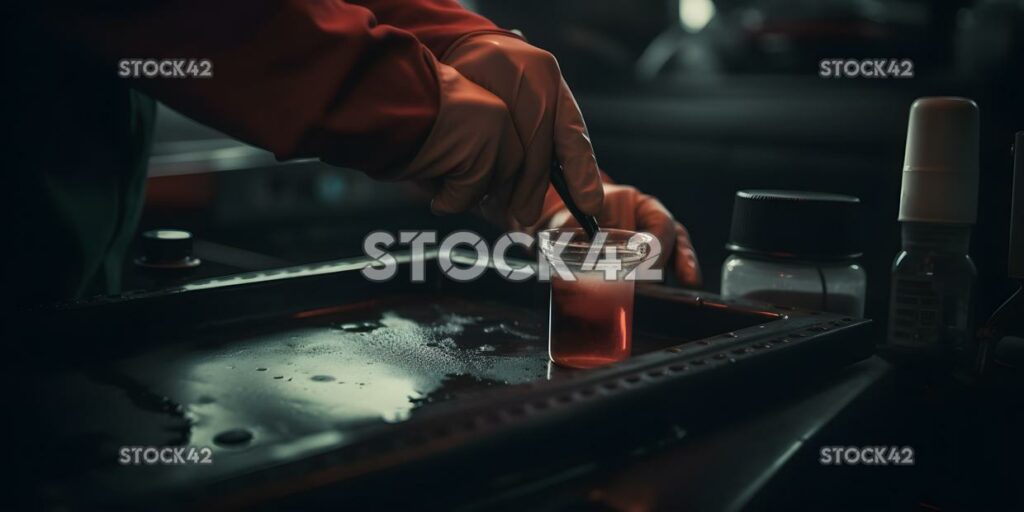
point(797, 249)
point(838, 287)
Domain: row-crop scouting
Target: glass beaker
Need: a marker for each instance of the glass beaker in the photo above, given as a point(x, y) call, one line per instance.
point(591, 315)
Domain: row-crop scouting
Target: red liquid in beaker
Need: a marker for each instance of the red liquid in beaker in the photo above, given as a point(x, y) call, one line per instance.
point(591, 321)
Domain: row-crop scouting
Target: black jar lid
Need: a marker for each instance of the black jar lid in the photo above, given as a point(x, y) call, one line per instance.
point(795, 224)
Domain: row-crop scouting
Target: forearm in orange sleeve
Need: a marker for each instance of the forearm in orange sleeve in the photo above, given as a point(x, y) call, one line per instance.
point(301, 79)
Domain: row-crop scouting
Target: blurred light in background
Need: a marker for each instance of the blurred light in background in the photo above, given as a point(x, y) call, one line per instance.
point(695, 14)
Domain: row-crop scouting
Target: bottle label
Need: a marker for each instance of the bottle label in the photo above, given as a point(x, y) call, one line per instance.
point(916, 314)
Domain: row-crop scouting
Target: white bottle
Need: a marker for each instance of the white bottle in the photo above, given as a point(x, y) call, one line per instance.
point(931, 309)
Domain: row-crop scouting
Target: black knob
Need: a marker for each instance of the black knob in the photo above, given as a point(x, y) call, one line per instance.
point(167, 248)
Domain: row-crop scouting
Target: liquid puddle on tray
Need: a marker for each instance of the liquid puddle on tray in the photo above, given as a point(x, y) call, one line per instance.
point(378, 370)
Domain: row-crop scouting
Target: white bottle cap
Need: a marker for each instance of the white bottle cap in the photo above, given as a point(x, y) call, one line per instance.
point(940, 166)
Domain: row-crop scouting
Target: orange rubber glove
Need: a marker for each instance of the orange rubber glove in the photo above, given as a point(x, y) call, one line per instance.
point(625, 207)
point(546, 118)
point(471, 148)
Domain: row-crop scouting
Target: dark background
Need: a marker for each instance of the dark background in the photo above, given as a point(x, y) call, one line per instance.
point(688, 100)
point(691, 109)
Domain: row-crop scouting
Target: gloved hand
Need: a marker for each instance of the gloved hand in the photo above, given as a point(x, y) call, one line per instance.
point(471, 151)
point(626, 207)
point(546, 118)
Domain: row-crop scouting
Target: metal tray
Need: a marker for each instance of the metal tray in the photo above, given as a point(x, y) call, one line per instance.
point(315, 379)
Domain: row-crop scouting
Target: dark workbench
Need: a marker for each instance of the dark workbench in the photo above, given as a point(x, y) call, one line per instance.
point(765, 456)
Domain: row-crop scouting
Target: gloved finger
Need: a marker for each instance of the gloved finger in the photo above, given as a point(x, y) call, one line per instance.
point(499, 203)
point(677, 249)
point(687, 270)
point(576, 154)
point(494, 207)
point(652, 217)
point(534, 177)
point(461, 191)
point(458, 193)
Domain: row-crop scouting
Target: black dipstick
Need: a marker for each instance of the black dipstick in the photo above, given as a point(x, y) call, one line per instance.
point(587, 222)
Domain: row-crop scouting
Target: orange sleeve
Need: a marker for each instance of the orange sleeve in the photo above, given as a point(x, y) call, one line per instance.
point(299, 78)
point(436, 23)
